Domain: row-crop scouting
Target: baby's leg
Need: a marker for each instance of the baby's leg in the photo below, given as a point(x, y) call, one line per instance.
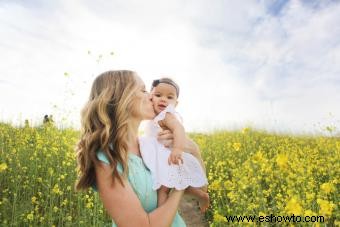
point(162, 195)
point(201, 195)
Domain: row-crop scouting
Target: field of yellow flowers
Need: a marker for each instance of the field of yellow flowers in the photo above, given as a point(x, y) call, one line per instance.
point(254, 173)
point(37, 175)
point(249, 172)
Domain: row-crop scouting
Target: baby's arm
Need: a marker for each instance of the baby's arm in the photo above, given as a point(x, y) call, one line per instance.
point(172, 123)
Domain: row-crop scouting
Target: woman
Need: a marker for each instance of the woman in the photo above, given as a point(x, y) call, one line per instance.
point(109, 157)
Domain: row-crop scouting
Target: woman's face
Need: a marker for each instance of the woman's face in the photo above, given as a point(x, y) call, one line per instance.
point(142, 107)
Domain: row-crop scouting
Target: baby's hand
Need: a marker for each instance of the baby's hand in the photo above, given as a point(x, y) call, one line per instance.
point(175, 157)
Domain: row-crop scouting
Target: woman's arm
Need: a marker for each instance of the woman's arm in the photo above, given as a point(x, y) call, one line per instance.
point(193, 149)
point(124, 207)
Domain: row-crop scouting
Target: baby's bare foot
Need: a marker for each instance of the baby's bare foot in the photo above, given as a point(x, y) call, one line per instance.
point(204, 201)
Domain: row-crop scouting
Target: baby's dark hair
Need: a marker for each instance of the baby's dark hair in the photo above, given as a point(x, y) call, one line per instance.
point(166, 80)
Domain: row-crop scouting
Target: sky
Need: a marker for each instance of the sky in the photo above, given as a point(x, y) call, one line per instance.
point(272, 65)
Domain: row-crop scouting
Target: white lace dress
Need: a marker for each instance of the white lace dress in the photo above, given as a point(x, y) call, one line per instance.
point(155, 156)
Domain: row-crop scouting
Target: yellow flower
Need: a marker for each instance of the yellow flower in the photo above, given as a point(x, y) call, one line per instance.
point(281, 160)
point(220, 163)
point(89, 205)
point(294, 207)
point(309, 213)
point(219, 218)
point(326, 207)
point(258, 157)
point(56, 190)
point(237, 146)
point(34, 199)
point(65, 202)
point(215, 185)
point(30, 216)
point(3, 167)
point(228, 185)
point(245, 130)
point(232, 196)
point(55, 209)
point(262, 214)
point(327, 187)
point(310, 196)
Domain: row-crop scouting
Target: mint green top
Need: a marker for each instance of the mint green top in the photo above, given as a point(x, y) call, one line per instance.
point(139, 177)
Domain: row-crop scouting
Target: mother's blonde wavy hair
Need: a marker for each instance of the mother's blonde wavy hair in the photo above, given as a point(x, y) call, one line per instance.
point(105, 125)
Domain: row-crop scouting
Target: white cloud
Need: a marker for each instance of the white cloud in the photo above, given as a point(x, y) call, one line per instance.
point(236, 63)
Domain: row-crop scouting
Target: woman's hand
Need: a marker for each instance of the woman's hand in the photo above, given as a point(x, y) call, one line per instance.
point(166, 137)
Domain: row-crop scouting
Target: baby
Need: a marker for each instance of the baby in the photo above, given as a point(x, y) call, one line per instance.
point(171, 167)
